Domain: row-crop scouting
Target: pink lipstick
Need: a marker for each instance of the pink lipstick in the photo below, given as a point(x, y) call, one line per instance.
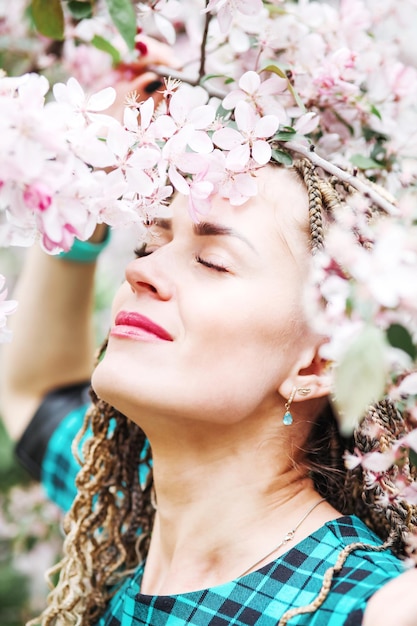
point(136, 326)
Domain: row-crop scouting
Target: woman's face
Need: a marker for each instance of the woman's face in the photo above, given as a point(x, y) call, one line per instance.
point(226, 298)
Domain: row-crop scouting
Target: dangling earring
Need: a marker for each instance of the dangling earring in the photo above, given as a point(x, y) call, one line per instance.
point(287, 420)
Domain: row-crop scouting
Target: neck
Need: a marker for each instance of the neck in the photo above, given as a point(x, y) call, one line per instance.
point(225, 496)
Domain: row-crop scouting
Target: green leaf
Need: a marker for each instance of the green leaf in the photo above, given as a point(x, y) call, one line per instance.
point(413, 457)
point(124, 18)
point(284, 135)
point(280, 156)
point(277, 70)
point(365, 163)
point(375, 112)
point(80, 10)
point(360, 377)
point(102, 44)
point(399, 337)
point(370, 133)
point(378, 153)
point(48, 17)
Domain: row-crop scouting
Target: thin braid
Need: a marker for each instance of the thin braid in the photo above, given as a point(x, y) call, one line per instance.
point(110, 515)
point(328, 579)
point(396, 517)
point(308, 173)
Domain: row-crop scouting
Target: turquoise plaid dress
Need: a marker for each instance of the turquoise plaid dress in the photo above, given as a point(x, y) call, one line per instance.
point(257, 599)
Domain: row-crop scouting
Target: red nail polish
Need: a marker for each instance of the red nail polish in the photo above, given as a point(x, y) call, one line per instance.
point(141, 47)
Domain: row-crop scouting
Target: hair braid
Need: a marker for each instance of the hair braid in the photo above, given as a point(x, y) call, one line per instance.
point(110, 513)
point(315, 199)
point(381, 428)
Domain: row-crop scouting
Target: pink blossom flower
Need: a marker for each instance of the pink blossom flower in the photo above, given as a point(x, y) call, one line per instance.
point(259, 94)
point(188, 120)
point(159, 16)
point(227, 8)
point(7, 307)
point(249, 140)
point(37, 196)
point(84, 108)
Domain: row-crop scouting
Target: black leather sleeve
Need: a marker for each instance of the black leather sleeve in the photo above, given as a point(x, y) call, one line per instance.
point(31, 447)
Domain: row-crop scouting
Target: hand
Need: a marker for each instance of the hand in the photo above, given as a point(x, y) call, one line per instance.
point(129, 77)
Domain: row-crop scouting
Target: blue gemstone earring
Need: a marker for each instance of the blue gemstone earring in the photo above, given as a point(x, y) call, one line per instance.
point(287, 420)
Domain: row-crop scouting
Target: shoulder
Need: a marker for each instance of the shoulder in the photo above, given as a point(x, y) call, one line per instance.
point(360, 565)
point(395, 603)
point(361, 549)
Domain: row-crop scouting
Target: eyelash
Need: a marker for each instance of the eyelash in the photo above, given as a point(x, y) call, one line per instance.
point(211, 266)
point(142, 252)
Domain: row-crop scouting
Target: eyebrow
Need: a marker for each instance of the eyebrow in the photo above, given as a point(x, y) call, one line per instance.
point(165, 224)
point(207, 229)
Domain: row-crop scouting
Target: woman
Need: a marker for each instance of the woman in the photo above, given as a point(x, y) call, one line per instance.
point(243, 516)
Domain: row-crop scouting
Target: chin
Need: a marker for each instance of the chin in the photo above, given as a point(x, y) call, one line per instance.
point(105, 384)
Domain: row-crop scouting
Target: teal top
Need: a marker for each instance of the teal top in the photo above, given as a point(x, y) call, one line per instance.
point(257, 599)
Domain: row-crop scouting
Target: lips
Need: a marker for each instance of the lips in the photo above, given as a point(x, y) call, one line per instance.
point(138, 326)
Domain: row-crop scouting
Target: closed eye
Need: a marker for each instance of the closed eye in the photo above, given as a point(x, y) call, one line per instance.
point(210, 265)
point(142, 251)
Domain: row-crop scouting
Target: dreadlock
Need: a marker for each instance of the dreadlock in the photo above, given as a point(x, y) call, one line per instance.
point(109, 523)
point(108, 527)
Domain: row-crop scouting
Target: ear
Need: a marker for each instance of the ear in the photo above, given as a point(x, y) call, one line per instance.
point(310, 372)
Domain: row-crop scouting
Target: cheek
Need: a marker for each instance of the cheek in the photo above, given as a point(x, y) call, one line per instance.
point(243, 339)
point(120, 297)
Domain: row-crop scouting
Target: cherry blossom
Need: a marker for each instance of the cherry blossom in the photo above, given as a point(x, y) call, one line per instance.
point(7, 307)
point(227, 8)
point(84, 108)
point(249, 140)
point(259, 94)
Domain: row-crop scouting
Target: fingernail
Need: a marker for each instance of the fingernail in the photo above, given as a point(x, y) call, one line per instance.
point(153, 86)
point(141, 47)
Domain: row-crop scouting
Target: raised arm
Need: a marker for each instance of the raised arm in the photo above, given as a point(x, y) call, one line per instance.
point(53, 341)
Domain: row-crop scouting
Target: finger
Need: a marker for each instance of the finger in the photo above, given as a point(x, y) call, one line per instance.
point(145, 85)
point(153, 52)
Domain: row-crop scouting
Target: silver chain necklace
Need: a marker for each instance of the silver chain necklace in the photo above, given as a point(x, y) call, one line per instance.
point(288, 537)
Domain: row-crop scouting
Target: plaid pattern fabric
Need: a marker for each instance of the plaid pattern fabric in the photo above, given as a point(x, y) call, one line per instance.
point(59, 466)
point(262, 597)
point(259, 598)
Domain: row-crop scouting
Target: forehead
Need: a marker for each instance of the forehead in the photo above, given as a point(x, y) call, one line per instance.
point(277, 214)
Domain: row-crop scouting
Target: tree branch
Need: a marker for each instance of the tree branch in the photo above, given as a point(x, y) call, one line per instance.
point(202, 69)
point(365, 188)
point(162, 70)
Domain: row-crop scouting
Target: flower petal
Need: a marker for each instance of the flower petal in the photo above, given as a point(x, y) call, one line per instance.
point(227, 138)
point(249, 82)
point(238, 158)
point(245, 117)
point(261, 152)
point(266, 126)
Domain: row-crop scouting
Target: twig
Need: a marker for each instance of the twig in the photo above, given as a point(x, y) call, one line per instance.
point(202, 69)
point(365, 188)
point(162, 70)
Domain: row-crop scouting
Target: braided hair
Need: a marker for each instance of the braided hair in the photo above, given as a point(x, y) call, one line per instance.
point(108, 527)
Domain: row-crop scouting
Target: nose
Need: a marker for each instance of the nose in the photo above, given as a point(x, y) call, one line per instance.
point(151, 275)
